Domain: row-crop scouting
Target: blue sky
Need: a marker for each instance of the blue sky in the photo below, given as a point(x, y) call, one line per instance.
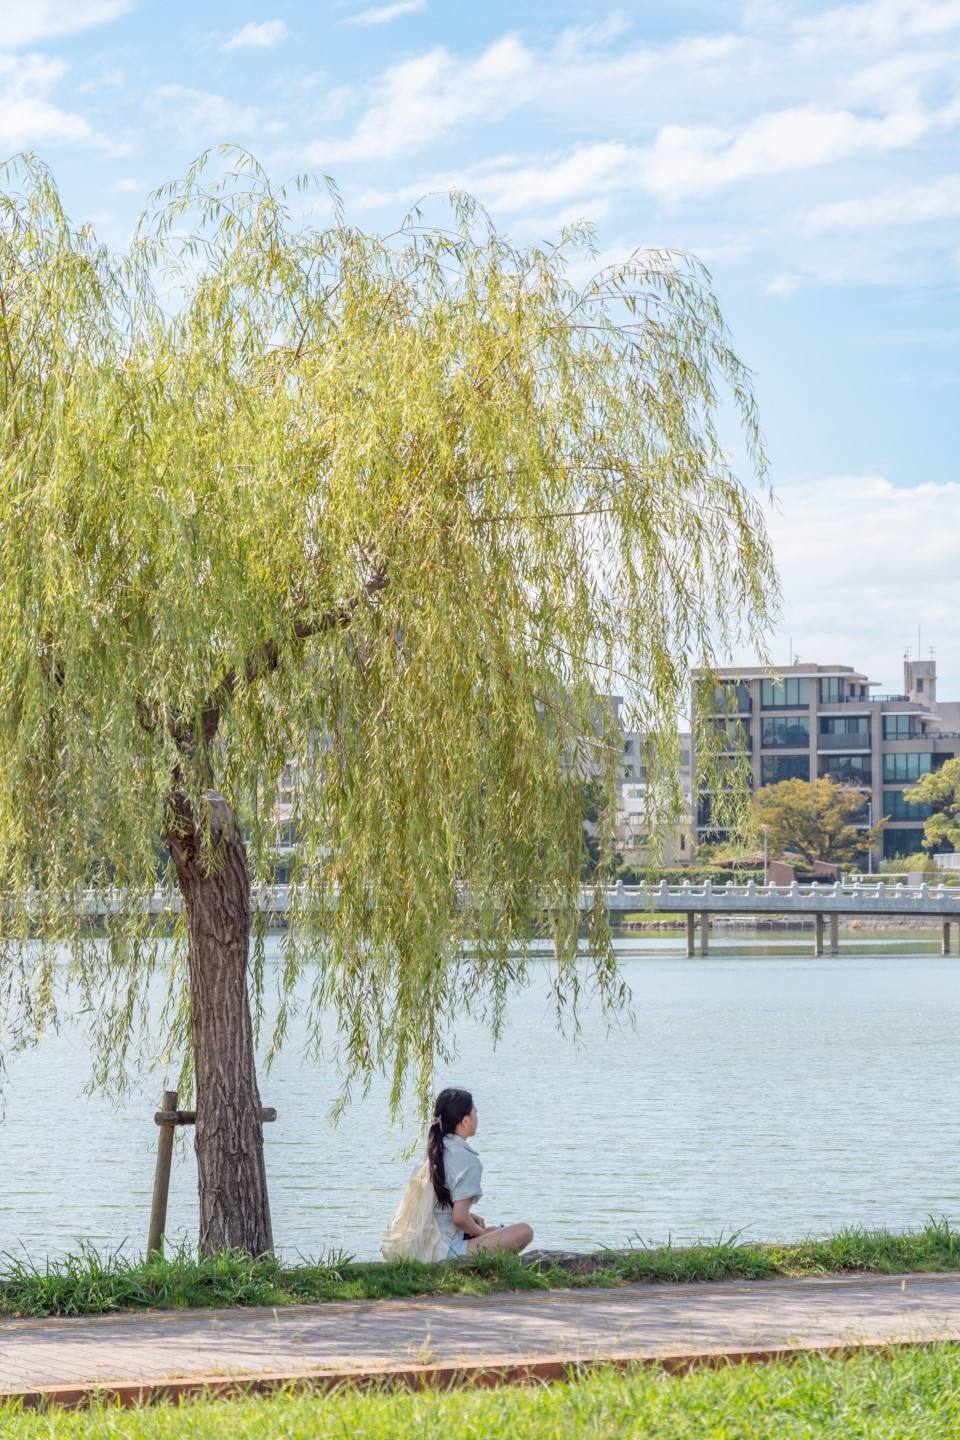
point(808, 153)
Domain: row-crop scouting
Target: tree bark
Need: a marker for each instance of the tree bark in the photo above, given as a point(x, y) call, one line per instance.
point(234, 1212)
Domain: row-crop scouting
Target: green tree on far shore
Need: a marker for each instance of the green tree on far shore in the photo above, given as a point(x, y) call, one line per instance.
point(811, 818)
point(941, 790)
point(371, 519)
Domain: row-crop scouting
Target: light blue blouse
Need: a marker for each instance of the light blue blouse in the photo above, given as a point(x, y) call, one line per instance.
point(463, 1171)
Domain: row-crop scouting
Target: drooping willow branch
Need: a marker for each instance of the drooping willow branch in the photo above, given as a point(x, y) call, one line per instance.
point(265, 660)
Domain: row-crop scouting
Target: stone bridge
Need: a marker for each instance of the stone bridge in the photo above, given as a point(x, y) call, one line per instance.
point(820, 901)
point(823, 902)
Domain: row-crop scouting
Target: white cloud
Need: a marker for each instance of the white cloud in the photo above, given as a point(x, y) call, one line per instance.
point(576, 38)
point(24, 22)
point(901, 77)
point(384, 14)
point(203, 118)
point(265, 36)
point(783, 285)
point(583, 179)
point(419, 100)
point(882, 23)
point(863, 562)
point(689, 160)
point(681, 162)
point(906, 205)
point(27, 117)
point(585, 76)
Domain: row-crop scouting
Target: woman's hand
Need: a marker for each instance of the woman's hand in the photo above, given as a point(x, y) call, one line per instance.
point(471, 1225)
point(478, 1220)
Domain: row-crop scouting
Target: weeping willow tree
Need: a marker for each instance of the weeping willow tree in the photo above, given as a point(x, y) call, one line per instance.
point(368, 524)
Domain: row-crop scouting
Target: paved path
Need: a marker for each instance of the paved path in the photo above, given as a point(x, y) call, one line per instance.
point(642, 1321)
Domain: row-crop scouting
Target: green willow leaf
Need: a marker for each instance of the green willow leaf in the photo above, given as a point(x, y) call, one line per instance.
point(509, 492)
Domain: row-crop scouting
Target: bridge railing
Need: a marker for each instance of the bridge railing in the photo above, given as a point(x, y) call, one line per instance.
point(878, 889)
point(859, 896)
point(879, 896)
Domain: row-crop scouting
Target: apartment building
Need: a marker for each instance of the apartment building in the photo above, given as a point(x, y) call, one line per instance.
point(633, 829)
point(825, 720)
point(632, 832)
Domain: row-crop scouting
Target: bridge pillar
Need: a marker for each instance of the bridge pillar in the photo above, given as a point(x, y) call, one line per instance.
point(818, 933)
point(704, 932)
point(834, 933)
point(945, 944)
point(691, 932)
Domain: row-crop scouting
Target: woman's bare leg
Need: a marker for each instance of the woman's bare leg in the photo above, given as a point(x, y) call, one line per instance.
point(510, 1238)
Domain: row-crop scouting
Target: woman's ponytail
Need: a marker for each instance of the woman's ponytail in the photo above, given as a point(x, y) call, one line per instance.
point(450, 1108)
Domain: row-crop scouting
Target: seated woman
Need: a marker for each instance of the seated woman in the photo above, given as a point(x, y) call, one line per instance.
point(455, 1171)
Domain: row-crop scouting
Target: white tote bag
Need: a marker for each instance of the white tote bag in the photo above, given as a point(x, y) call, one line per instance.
point(413, 1233)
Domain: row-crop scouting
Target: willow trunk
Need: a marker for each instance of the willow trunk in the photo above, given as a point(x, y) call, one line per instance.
point(215, 885)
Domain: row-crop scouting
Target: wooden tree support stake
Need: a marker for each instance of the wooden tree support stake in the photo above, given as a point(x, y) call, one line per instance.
point(168, 1117)
point(161, 1180)
point(171, 1116)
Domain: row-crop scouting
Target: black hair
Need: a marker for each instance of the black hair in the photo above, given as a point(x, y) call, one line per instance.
point(450, 1107)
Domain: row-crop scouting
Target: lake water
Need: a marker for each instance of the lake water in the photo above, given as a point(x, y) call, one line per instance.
point(761, 1091)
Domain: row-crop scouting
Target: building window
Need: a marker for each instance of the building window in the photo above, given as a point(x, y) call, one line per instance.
point(785, 694)
point(730, 696)
point(730, 734)
point(919, 687)
point(901, 842)
point(898, 808)
point(900, 727)
point(907, 767)
point(831, 690)
point(846, 769)
point(785, 732)
point(774, 768)
point(845, 725)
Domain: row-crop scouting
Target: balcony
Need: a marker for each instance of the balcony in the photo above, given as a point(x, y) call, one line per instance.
point(724, 706)
point(849, 779)
point(850, 742)
point(868, 700)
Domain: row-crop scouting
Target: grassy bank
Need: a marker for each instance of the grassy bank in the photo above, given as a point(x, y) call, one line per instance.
point(91, 1284)
point(912, 1393)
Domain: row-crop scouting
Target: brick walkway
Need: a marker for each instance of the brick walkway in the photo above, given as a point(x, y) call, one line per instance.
point(641, 1321)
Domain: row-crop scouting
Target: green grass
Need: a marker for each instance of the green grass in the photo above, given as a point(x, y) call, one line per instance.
point(907, 1395)
point(89, 1283)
